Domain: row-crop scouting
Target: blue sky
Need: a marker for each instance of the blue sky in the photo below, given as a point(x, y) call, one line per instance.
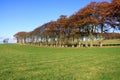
point(26, 15)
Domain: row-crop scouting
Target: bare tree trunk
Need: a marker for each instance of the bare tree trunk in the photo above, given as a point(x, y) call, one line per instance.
point(91, 39)
point(86, 41)
point(101, 36)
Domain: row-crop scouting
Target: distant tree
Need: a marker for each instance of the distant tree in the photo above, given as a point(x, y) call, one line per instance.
point(6, 40)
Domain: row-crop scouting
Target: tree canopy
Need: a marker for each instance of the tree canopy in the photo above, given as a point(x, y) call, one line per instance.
point(88, 24)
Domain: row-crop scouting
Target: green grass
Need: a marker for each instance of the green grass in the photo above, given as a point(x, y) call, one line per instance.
point(19, 62)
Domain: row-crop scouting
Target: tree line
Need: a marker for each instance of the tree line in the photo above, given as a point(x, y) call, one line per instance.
point(83, 27)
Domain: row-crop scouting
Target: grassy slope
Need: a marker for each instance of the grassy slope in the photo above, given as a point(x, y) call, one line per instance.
point(111, 41)
point(114, 41)
point(34, 63)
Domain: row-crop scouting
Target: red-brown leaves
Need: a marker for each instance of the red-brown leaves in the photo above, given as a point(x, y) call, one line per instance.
point(94, 15)
point(20, 34)
point(52, 25)
point(115, 8)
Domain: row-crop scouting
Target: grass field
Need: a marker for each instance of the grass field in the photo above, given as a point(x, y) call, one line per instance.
point(19, 62)
point(111, 41)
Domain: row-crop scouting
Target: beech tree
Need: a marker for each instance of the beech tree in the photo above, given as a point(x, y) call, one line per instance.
point(21, 37)
point(62, 24)
point(50, 33)
point(102, 18)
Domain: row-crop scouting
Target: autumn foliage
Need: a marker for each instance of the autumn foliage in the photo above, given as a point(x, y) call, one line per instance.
point(90, 23)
